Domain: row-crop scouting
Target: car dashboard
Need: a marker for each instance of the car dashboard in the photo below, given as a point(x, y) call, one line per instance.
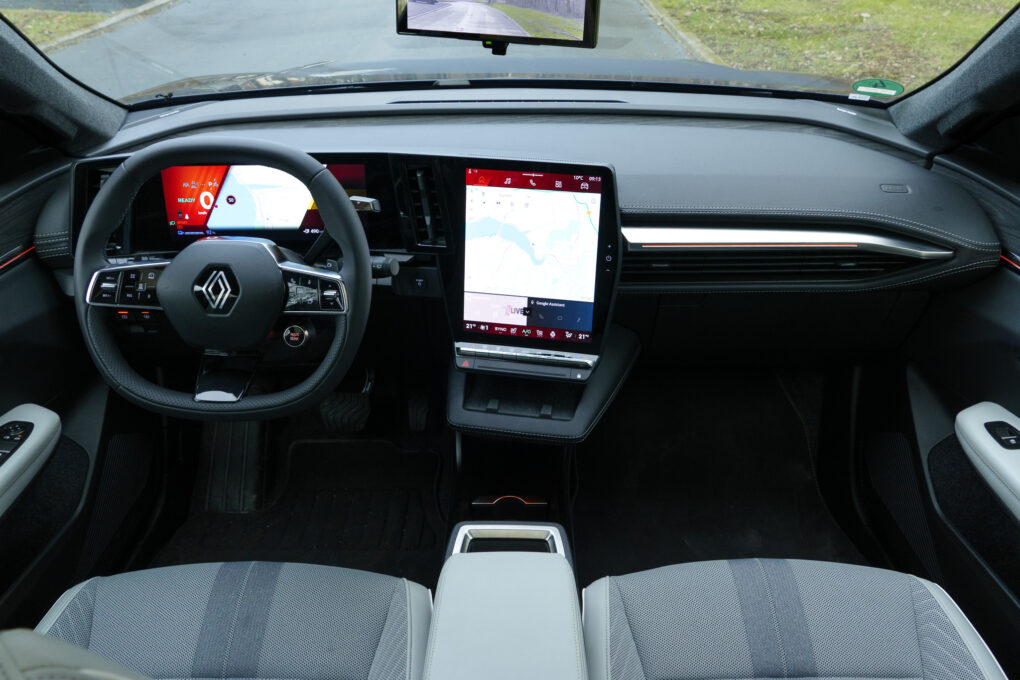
point(718, 238)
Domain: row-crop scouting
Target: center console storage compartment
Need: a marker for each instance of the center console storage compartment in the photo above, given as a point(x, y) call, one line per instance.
point(528, 406)
point(506, 616)
point(516, 396)
point(509, 536)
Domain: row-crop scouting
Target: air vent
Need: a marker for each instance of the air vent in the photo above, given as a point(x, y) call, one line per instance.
point(662, 267)
point(426, 210)
point(95, 178)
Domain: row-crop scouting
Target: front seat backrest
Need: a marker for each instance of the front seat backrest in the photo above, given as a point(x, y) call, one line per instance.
point(25, 655)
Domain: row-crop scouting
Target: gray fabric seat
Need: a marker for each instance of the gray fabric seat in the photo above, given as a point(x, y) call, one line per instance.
point(250, 620)
point(778, 619)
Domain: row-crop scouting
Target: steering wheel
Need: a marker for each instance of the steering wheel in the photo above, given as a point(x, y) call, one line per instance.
point(223, 295)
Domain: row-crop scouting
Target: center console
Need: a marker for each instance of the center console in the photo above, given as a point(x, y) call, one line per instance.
point(506, 610)
point(529, 276)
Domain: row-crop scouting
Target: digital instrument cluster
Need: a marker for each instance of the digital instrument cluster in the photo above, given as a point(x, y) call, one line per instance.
point(246, 200)
point(182, 204)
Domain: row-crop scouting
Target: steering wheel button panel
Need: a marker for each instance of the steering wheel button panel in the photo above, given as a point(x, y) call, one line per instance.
point(128, 285)
point(329, 296)
point(302, 292)
point(105, 287)
point(311, 290)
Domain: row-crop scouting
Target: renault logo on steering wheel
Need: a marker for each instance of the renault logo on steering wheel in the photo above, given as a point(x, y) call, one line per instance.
point(216, 289)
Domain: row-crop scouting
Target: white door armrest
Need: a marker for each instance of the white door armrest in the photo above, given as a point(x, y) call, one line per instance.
point(26, 461)
point(999, 466)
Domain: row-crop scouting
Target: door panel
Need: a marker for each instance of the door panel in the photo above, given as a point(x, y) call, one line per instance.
point(966, 350)
point(43, 355)
point(39, 337)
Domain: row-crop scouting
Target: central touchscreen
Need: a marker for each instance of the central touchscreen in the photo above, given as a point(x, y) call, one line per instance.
point(530, 254)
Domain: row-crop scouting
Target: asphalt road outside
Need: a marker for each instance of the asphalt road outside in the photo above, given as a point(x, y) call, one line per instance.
point(74, 5)
point(206, 37)
point(461, 16)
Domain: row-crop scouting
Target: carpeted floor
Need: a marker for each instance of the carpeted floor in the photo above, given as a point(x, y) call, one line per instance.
point(700, 467)
point(358, 504)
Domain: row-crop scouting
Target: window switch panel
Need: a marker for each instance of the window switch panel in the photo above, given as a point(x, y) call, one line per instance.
point(11, 436)
point(1004, 433)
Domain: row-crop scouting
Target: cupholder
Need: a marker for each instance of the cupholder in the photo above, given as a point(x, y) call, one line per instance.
point(541, 538)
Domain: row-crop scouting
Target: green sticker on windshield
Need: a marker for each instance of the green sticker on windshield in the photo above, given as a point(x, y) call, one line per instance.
point(878, 87)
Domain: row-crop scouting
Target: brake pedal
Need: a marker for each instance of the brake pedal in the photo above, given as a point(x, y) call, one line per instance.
point(417, 412)
point(346, 412)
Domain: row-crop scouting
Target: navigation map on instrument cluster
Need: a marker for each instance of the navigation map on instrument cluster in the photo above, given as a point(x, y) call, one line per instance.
point(259, 197)
point(532, 242)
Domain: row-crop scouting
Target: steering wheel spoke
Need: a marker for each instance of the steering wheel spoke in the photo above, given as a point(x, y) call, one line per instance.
point(127, 286)
point(224, 378)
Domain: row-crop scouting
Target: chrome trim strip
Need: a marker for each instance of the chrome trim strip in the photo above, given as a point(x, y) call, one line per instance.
point(366, 204)
point(147, 264)
point(549, 534)
point(526, 355)
point(681, 238)
point(216, 397)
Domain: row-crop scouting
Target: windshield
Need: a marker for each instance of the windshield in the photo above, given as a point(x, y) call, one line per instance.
point(134, 50)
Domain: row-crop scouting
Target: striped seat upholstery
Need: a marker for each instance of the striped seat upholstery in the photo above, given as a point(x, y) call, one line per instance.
point(745, 619)
point(250, 620)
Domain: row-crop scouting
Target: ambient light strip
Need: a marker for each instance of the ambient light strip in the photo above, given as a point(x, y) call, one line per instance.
point(1013, 260)
point(683, 238)
point(15, 257)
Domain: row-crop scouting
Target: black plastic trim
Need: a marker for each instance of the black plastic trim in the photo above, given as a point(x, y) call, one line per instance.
point(621, 352)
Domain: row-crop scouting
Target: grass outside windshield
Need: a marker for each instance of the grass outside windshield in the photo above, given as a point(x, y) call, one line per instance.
point(123, 47)
point(907, 42)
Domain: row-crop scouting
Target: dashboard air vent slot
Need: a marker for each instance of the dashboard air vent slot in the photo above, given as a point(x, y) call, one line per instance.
point(705, 267)
point(426, 210)
point(95, 178)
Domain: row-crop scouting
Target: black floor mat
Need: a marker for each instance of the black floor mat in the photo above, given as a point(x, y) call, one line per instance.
point(700, 468)
point(358, 504)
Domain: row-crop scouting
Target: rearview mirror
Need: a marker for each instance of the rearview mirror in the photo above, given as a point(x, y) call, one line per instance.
point(569, 23)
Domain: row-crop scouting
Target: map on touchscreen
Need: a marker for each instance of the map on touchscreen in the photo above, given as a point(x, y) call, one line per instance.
point(531, 244)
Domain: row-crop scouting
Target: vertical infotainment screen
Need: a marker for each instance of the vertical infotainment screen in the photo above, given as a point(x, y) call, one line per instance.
point(530, 254)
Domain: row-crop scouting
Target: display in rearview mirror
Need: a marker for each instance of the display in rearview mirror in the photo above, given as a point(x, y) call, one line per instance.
point(572, 23)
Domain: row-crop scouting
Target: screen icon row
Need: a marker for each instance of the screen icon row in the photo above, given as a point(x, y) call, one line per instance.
point(527, 331)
